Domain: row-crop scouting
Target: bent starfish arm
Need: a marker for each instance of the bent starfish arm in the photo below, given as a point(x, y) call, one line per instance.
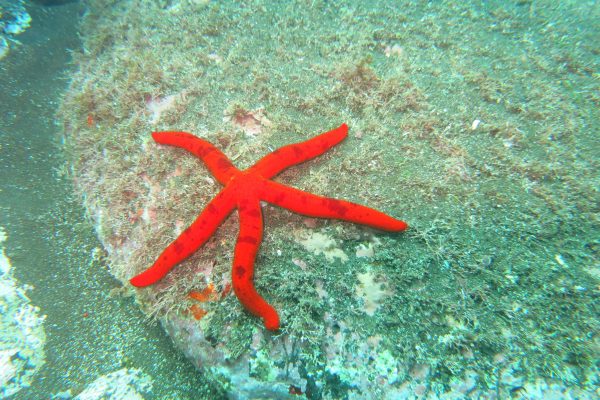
point(275, 162)
point(216, 162)
point(244, 255)
point(190, 240)
point(312, 205)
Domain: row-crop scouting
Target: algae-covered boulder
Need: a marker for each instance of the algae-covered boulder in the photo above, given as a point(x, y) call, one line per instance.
point(453, 127)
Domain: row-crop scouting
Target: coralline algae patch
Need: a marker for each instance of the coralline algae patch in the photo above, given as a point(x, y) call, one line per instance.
point(371, 291)
point(320, 243)
point(22, 335)
point(369, 288)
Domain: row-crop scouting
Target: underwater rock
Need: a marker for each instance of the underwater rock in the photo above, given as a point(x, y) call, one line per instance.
point(364, 314)
point(22, 335)
point(14, 19)
point(131, 384)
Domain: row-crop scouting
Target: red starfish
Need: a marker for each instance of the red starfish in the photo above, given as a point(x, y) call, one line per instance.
point(244, 190)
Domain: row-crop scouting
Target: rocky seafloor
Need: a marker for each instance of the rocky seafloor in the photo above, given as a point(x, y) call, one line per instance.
point(473, 122)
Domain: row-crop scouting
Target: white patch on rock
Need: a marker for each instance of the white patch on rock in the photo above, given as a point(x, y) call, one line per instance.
point(122, 384)
point(319, 243)
point(156, 106)
point(371, 291)
point(22, 335)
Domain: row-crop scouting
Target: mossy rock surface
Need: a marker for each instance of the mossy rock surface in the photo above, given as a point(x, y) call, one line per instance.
point(474, 123)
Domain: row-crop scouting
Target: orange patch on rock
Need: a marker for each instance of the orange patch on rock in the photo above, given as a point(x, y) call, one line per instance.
point(197, 311)
point(207, 294)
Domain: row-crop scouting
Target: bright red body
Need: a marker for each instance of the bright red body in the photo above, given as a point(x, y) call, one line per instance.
point(245, 190)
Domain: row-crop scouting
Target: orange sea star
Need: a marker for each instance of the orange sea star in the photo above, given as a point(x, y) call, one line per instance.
point(244, 190)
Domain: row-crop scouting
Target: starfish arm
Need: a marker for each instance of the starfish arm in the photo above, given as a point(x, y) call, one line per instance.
point(246, 248)
point(190, 240)
point(284, 157)
point(312, 205)
point(217, 162)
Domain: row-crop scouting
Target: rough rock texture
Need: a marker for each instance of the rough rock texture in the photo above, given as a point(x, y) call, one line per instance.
point(130, 384)
point(22, 335)
point(14, 20)
point(459, 125)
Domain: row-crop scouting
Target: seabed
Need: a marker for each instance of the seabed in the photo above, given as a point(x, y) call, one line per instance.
point(476, 123)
